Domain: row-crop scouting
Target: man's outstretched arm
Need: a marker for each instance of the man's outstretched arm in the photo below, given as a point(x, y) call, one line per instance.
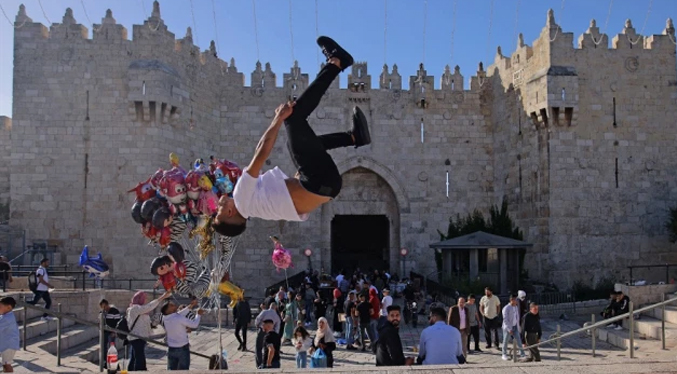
point(267, 142)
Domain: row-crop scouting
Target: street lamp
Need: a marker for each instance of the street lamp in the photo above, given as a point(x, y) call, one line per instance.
point(403, 253)
point(309, 252)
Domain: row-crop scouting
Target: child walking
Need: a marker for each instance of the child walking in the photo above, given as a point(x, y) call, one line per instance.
point(302, 342)
point(9, 331)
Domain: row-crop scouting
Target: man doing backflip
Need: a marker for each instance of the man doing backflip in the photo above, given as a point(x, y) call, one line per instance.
point(274, 196)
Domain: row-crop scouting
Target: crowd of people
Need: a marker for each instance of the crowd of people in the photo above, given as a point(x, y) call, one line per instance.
point(351, 312)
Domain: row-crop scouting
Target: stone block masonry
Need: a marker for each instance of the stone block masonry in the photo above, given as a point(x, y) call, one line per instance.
point(580, 141)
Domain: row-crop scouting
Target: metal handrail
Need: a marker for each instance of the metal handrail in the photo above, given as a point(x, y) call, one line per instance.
point(101, 325)
point(629, 314)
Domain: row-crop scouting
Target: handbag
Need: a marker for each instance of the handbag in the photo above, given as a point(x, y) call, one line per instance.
point(318, 359)
point(342, 317)
point(123, 326)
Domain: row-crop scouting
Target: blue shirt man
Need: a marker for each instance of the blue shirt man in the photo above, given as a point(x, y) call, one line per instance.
point(440, 343)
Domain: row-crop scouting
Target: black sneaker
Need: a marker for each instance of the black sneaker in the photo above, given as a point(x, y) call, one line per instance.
point(360, 128)
point(331, 49)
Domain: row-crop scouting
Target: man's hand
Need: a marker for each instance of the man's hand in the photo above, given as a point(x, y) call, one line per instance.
point(285, 110)
point(510, 332)
point(200, 312)
point(193, 304)
point(409, 361)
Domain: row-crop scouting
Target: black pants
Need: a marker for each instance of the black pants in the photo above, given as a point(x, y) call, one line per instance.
point(259, 348)
point(318, 172)
point(534, 353)
point(475, 334)
point(489, 325)
point(42, 295)
point(137, 356)
point(242, 340)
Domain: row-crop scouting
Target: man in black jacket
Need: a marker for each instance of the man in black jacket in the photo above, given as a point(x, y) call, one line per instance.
point(242, 315)
point(622, 306)
point(532, 328)
point(389, 346)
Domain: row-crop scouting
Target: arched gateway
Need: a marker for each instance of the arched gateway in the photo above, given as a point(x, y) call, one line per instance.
point(362, 226)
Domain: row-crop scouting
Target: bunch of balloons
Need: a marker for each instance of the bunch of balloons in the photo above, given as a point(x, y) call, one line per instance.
point(172, 203)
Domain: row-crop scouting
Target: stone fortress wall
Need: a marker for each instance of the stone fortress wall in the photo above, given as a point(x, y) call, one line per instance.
point(589, 183)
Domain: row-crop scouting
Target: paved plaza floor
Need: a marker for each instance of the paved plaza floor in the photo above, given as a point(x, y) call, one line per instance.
point(575, 355)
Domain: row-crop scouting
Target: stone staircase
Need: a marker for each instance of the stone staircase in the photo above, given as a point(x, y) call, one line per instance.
point(41, 338)
point(647, 330)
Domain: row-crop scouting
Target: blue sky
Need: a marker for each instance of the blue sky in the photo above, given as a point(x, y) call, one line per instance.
point(357, 24)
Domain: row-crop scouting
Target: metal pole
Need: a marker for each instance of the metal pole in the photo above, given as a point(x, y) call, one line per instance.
point(25, 318)
point(130, 284)
point(514, 348)
point(559, 342)
point(632, 332)
point(58, 336)
point(5, 279)
point(102, 354)
point(594, 338)
point(667, 274)
point(83, 280)
point(663, 322)
point(630, 275)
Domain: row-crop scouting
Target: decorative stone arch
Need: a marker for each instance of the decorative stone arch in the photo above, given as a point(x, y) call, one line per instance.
point(382, 171)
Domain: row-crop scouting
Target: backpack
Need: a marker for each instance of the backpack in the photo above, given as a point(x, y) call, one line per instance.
point(124, 326)
point(32, 281)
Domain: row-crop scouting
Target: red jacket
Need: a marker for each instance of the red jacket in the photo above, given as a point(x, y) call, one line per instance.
point(375, 303)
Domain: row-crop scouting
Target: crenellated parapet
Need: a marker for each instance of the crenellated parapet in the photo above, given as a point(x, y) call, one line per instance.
point(546, 74)
point(170, 74)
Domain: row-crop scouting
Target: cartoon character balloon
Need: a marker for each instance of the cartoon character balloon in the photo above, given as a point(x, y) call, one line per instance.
point(281, 257)
point(225, 173)
point(173, 188)
point(95, 266)
point(164, 267)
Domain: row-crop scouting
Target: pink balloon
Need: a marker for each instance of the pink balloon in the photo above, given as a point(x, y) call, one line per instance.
point(281, 257)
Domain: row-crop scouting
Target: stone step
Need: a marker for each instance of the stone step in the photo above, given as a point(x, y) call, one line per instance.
point(31, 314)
point(36, 327)
point(621, 339)
point(70, 337)
point(87, 351)
point(670, 313)
point(651, 328)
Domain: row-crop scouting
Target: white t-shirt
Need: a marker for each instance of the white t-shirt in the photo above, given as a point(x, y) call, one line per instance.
point(265, 197)
point(385, 303)
point(42, 271)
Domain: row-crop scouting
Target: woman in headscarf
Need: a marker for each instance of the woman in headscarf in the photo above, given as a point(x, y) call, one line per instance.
point(138, 320)
point(291, 316)
point(324, 338)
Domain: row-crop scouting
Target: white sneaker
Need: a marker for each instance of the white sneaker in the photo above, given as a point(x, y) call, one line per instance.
point(505, 358)
point(618, 328)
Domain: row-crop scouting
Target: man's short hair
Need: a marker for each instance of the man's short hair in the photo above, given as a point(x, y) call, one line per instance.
point(228, 229)
point(439, 313)
point(44, 260)
point(513, 296)
point(471, 296)
point(393, 308)
point(532, 304)
point(103, 301)
point(165, 307)
point(9, 301)
point(386, 290)
point(487, 288)
point(269, 321)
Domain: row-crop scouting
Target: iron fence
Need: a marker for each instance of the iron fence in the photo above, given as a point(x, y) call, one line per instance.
point(666, 273)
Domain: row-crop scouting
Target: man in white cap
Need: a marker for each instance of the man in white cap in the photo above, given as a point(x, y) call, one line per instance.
point(523, 305)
